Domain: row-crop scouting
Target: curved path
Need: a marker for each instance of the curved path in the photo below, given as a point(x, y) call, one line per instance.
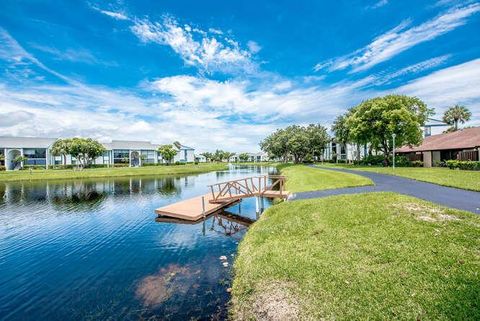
point(447, 196)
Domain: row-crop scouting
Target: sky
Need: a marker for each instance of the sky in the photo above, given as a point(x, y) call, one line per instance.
point(224, 74)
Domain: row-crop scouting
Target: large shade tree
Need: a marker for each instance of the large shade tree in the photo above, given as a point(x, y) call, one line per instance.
point(296, 141)
point(167, 152)
point(85, 150)
point(455, 115)
point(61, 147)
point(375, 121)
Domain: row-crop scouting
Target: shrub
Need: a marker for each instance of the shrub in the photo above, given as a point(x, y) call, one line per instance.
point(417, 163)
point(2, 168)
point(180, 163)
point(120, 165)
point(33, 167)
point(463, 165)
point(374, 160)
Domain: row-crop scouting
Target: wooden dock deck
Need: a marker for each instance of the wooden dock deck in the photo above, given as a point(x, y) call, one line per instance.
point(192, 209)
point(223, 195)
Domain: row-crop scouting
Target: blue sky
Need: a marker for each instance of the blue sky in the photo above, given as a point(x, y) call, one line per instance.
point(223, 74)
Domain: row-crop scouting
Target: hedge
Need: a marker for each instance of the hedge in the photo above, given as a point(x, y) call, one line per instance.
point(464, 165)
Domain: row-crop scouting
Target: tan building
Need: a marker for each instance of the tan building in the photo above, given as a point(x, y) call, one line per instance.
point(463, 144)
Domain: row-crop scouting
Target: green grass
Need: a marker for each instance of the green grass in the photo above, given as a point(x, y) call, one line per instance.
point(376, 256)
point(301, 178)
point(109, 172)
point(469, 180)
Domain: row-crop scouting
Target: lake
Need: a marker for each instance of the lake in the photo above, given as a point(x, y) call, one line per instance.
point(92, 249)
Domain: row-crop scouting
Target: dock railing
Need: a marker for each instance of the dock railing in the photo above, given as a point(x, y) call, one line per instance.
point(247, 187)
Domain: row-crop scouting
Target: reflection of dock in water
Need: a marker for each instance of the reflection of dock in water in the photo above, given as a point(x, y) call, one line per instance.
point(222, 222)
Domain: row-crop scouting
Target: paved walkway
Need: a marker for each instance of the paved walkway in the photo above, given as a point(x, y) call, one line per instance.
point(447, 196)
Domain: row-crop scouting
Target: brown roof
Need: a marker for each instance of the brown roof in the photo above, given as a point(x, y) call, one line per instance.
point(461, 139)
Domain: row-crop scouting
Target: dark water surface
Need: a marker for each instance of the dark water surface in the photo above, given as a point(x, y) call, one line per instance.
point(92, 250)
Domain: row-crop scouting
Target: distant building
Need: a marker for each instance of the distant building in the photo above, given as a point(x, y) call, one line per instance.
point(335, 151)
point(200, 159)
point(463, 144)
point(433, 127)
point(252, 157)
point(131, 153)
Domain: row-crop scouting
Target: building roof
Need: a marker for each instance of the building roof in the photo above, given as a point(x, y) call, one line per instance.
point(130, 144)
point(26, 142)
point(461, 139)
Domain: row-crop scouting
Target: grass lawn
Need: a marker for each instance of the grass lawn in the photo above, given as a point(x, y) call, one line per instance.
point(301, 178)
point(110, 172)
point(377, 256)
point(469, 180)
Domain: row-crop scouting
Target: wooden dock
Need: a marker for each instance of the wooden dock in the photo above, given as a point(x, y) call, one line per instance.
point(224, 195)
point(192, 209)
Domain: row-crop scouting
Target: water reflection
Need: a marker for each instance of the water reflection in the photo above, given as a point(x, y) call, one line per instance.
point(97, 253)
point(87, 192)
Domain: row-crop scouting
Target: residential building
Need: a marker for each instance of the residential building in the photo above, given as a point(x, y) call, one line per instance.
point(463, 144)
point(335, 151)
point(118, 152)
point(252, 157)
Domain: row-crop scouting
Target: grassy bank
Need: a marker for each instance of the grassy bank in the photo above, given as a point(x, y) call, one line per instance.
point(469, 180)
point(376, 256)
point(110, 172)
point(301, 178)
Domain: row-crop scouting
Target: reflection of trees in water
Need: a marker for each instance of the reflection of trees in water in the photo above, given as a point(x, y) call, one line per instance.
point(90, 193)
point(168, 186)
point(80, 195)
point(3, 193)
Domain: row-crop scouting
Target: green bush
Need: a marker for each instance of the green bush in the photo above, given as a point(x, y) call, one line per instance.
point(180, 163)
point(120, 165)
point(2, 168)
point(417, 163)
point(463, 165)
point(373, 160)
point(33, 167)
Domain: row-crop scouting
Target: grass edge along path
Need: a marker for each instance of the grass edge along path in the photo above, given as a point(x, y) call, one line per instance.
point(36, 175)
point(302, 178)
point(462, 179)
point(376, 256)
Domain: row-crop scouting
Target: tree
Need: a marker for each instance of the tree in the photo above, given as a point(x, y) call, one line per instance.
point(85, 150)
point(19, 160)
point(243, 157)
point(208, 156)
point(168, 152)
point(276, 144)
point(456, 114)
point(227, 155)
point(61, 147)
point(375, 120)
point(297, 141)
point(317, 139)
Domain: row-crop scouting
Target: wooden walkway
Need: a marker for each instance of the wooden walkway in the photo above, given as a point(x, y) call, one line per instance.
point(223, 195)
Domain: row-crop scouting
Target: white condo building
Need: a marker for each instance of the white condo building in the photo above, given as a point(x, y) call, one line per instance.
point(128, 153)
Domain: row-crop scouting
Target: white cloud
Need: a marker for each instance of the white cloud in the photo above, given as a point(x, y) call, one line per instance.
point(253, 47)
point(378, 4)
point(453, 85)
point(197, 48)
point(400, 39)
point(115, 15)
point(416, 68)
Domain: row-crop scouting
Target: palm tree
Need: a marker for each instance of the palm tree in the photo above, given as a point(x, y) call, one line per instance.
point(456, 114)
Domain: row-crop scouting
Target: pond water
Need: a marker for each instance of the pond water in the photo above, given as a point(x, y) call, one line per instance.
point(92, 250)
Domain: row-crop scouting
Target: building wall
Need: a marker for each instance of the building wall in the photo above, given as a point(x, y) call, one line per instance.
point(427, 159)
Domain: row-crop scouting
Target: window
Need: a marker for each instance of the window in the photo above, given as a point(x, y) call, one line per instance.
point(121, 156)
point(35, 156)
point(148, 156)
